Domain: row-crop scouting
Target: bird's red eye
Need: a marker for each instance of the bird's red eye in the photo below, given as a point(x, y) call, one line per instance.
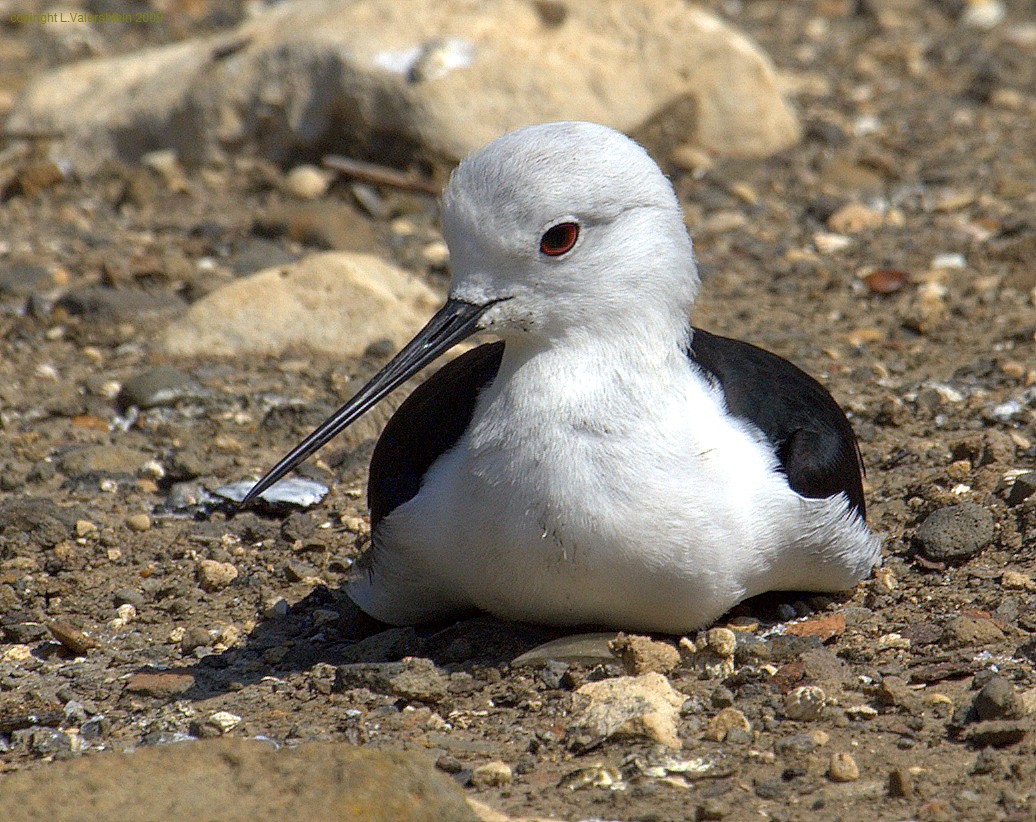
point(559, 239)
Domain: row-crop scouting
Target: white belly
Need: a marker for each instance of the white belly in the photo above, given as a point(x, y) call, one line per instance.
point(649, 517)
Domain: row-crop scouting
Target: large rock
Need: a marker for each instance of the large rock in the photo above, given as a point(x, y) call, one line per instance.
point(638, 706)
point(393, 79)
point(232, 779)
point(337, 302)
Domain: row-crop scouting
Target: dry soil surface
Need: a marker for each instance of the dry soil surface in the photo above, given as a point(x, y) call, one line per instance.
point(892, 254)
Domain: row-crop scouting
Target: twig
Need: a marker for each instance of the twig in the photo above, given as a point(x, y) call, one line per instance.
point(379, 175)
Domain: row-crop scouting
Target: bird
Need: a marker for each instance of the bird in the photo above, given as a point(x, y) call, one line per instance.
point(602, 462)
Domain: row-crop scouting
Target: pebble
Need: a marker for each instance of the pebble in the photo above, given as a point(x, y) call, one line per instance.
point(72, 638)
point(103, 459)
point(886, 281)
point(414, 678)
point(966, 630)
point(193, 638)
point(805, 703)
point(138, 522)
point(843, 768)
point(307, 182)
point(215, 576)
point(901, 783)
point(493, 774)
point(156, 387)
point(223, 721)
point(435, 254)
point(641, 654)
point(955, 533)
point(852, 218)
point(1023, 487)
point(721, 641)
point(1017, 581)
point(85, 528)
point(725, 722)
point(997, 700)
point(998, 733)
point(162, 685)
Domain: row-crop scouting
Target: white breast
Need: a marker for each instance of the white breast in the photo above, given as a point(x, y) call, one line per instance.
point(625, 498)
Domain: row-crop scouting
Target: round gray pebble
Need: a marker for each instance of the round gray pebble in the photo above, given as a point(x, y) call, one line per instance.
point(955, 533)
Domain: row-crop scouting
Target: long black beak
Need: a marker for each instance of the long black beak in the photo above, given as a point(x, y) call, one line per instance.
point(452, 323)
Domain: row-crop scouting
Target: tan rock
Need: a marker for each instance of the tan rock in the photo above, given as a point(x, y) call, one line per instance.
point(724, 722)
point(641, 654)
point(445, 76)
point(645, 705)
point(336, 302)
point(215, 576)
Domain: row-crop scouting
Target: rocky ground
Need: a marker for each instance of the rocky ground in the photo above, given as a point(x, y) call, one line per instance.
point(892, 253)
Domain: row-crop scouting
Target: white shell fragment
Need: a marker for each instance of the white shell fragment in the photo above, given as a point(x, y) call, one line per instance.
point(293, 492)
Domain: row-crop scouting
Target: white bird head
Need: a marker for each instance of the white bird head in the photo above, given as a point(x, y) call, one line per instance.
point(556, 232)
point(567, 227)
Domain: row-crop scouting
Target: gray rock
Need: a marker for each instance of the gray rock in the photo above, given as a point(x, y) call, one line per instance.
point(34, 519)
point(998, 733)
point(1023, 487)
point(103, 459)
point(163, 385)
point(101, 304)
point(413, 678)
point(955, 533)
point(998, 700)
point(24, 280)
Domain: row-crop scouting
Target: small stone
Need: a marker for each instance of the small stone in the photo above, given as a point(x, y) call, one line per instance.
point(966, 630)
point(831, 243)
point(805, 703)
point(721, 641)
point(1023, 487)
point(997, 700)
point(223, 721)
point(901, 783)
point(435, 254)
point(138, 522)
point(823, 627)
point(275, 608)
point(126, 613)
point(161, 386)
point(193, 638)
point(161, 685)
point(641, 654)
point(886, 280)
point(843, 768)
point(727, 720)
point(955, 533)
point(215, 576)
point(85, 528)
point(493, 774)
point(307, 182)
point(998, 733)
point(72, 638)
point(852, 218)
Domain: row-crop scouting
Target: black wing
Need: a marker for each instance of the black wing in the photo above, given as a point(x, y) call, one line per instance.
point(813, 440)
point(426, 426)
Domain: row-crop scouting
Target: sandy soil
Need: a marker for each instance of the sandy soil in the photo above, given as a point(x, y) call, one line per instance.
point(892, 254)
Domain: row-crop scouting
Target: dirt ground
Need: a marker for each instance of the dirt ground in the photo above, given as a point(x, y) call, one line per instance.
point(891, 254)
